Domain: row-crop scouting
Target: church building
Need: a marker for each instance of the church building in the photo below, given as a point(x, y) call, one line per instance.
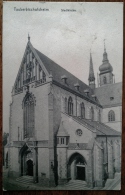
point(60, 128)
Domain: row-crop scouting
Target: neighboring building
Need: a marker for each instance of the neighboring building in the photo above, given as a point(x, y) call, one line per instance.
point(61, 128)
point(5, 146)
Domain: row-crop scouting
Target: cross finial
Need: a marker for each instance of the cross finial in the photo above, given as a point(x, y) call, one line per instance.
point(28, 37)
point(104, 46)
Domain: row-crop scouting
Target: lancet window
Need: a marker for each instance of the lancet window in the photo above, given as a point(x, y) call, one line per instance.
point(70, 106)
point(99, 117)
point(82, 110)
point(92, 113)
point(28, 116)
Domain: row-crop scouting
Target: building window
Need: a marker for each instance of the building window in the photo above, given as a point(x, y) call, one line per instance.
point(104, 80)
point(70, 106)
point(67, 140)
point(65, 105)
point(44, 77)
point(62, 140)
point(111, 116)
point(82, 110)
point(28, 116)
point(102, 144)
point(57, 140)
point(99, 116)
point(92, 113)
point(79, 132)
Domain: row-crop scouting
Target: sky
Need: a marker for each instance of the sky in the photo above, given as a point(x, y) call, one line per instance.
point(66, 37)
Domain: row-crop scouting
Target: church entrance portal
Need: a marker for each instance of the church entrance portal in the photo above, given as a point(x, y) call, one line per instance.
point(26, 163)
point(29, 167)
point(81, 173)
point(77, 167)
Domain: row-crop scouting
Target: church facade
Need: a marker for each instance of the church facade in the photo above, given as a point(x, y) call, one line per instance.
point(62, 129)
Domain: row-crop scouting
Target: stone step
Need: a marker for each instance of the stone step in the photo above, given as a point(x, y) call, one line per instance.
point(25, 179)
point(111, 183)
point(76, 185)
point(77, 181)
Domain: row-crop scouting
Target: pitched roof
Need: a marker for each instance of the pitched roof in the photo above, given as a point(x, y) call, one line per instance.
point(105, 94)
point(62, 131)
point(57, 73)
point(101, 129)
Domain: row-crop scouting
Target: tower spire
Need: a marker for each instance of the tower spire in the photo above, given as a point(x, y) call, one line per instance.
point(28, 37)
point(106, 75)
point(104, 46)
point(91, 73)
point(105, 56)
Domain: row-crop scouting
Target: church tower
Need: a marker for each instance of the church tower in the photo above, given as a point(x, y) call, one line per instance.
point(91, 78)
point(106, 75)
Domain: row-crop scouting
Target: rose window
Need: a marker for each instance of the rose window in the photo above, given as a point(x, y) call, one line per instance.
point(79, 132)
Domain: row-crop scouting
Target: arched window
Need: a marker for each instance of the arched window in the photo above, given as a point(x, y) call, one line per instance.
point(82, 110)
point(92, 113)
point(104, 80)
point(99, 118)
point(28, 116)
point(111, 116)
point(65, 105)
point(102, 144)
point(70, 106)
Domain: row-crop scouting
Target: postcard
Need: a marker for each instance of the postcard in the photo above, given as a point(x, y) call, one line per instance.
point(62, 95)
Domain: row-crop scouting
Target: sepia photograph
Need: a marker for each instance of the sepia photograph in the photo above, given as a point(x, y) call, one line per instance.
point(62, 95)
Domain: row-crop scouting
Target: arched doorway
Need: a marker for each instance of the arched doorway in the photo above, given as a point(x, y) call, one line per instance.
point(26, 161)
point(77, 167)
point(29, 164)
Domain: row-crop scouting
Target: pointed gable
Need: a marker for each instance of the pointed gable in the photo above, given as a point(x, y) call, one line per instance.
point(31, 69)
point(62, 132)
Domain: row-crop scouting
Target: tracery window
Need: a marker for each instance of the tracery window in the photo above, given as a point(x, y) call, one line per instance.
point(28, 116)
point(82, 110)
point(111, 116)
point(65, 105)
point(92, 113)
point(70, 106)
point(79, 132)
